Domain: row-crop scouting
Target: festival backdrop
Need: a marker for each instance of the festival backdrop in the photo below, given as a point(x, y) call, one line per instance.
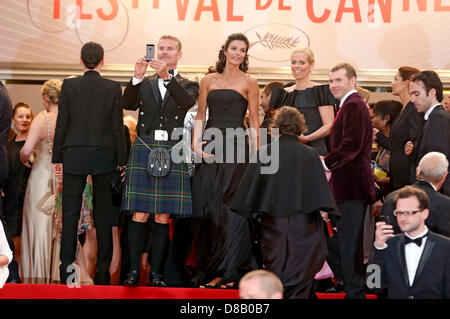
point(371, 34)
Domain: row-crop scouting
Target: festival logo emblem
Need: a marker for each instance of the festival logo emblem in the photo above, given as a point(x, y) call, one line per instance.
point(274, 42)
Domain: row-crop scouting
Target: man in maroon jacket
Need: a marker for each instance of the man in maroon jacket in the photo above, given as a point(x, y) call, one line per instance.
point(351, 182)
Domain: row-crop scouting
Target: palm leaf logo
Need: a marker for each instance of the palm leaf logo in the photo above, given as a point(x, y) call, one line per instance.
point(273, 41)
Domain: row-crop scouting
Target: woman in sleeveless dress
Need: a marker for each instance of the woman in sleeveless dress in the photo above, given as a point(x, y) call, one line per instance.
point(223, 247)
point(314, 101)
point(38, 256)
point(16, 183)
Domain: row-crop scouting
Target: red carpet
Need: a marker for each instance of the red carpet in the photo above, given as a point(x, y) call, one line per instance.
point(34, 291)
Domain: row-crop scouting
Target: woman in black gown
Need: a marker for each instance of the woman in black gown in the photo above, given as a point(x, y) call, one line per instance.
point(314, 101)
point(290, 201)
point(223, 247)
point(407, 127)
point(16, 184)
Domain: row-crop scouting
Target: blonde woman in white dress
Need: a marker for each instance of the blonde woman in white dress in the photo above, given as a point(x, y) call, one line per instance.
point(40, 254)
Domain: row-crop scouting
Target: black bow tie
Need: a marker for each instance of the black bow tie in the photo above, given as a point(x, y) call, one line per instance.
point(417, 241)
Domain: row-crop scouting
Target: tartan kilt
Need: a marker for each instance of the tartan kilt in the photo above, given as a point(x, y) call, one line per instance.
point(145, 193)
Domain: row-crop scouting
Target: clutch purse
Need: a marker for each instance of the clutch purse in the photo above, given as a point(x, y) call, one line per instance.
point(379, 172)
point(47, 204)
point(158, 162)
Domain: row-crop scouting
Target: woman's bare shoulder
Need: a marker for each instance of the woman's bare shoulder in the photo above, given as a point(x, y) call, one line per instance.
point(250, 79)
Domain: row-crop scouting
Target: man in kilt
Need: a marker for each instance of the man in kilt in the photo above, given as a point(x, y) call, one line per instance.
point(163, 100)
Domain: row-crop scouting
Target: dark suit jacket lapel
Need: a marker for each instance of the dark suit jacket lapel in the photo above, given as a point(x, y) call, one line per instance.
point(425, 256)
point(155, 89)
point(402, 259)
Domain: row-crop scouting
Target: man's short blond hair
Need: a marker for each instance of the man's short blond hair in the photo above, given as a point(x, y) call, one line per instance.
point(268, 281)
point(171, 37)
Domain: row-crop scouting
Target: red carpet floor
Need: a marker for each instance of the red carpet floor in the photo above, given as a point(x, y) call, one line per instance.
point(35, 291)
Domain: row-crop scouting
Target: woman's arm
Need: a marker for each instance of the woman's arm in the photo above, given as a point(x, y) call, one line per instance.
point(327, 116)
point(32, 139)
point(253, 102)
point(200, 118)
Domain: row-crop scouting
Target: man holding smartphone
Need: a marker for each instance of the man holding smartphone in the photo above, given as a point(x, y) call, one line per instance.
point(163, 100)
point(415, 263)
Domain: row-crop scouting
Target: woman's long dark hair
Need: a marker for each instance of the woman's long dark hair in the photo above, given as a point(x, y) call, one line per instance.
point(220, 64)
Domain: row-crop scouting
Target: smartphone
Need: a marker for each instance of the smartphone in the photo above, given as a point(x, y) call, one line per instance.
point(150, 52)
point(384, 218)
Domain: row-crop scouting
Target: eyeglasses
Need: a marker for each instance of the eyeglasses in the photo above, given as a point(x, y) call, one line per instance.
point(406, 212)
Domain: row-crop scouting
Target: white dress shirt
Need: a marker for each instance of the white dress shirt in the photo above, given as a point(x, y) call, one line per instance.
point(413, 254)
point(427, 114)
point(161, 86)
point(346, 96)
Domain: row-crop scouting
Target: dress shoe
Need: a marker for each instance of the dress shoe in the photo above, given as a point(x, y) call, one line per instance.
point(132, 279)
point(156, 280)
point(338, 288)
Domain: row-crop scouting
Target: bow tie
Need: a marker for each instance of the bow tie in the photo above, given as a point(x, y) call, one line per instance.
point(417, 241)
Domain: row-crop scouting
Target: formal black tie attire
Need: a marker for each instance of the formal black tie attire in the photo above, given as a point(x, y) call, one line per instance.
point(162, 108)
point(88, 141)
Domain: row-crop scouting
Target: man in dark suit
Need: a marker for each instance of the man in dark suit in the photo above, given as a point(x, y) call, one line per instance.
point(431, 174)
point(351, 180)
point(163, 100)
point(5, 127)
point(426, 94)
point(88, 140)
point(416, 263)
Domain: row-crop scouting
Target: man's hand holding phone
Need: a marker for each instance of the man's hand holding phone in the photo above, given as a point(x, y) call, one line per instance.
point(140, 68)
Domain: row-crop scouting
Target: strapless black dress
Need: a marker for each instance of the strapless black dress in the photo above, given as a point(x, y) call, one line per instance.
point(222, 242)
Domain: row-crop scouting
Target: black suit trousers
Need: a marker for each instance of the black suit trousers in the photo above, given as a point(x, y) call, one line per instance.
point(73, 187)
point(345, 250)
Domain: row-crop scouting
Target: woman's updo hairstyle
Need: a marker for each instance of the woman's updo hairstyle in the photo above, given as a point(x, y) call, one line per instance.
point(52, 88)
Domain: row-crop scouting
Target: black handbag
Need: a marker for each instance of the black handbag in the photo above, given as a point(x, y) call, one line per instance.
point(158, 162)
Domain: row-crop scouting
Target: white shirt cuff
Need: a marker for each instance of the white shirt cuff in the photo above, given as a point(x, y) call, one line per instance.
point(136, 81)
point(380, 248)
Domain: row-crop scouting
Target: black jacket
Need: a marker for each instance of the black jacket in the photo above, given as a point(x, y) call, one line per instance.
point(407, 127)
point(432, 279)
point(155, 113)
point(5, 126)
point(90, 114)
point(436, 138)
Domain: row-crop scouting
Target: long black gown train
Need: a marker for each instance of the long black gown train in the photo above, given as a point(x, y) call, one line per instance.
point(221, 238)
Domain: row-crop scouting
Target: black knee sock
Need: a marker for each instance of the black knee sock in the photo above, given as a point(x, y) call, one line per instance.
point(136, 241)
point(160, 247)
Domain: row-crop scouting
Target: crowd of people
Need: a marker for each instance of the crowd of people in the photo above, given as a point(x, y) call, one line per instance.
point(297, 180)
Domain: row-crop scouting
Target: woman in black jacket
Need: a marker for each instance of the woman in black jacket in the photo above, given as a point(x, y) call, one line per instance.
point(407, 127)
